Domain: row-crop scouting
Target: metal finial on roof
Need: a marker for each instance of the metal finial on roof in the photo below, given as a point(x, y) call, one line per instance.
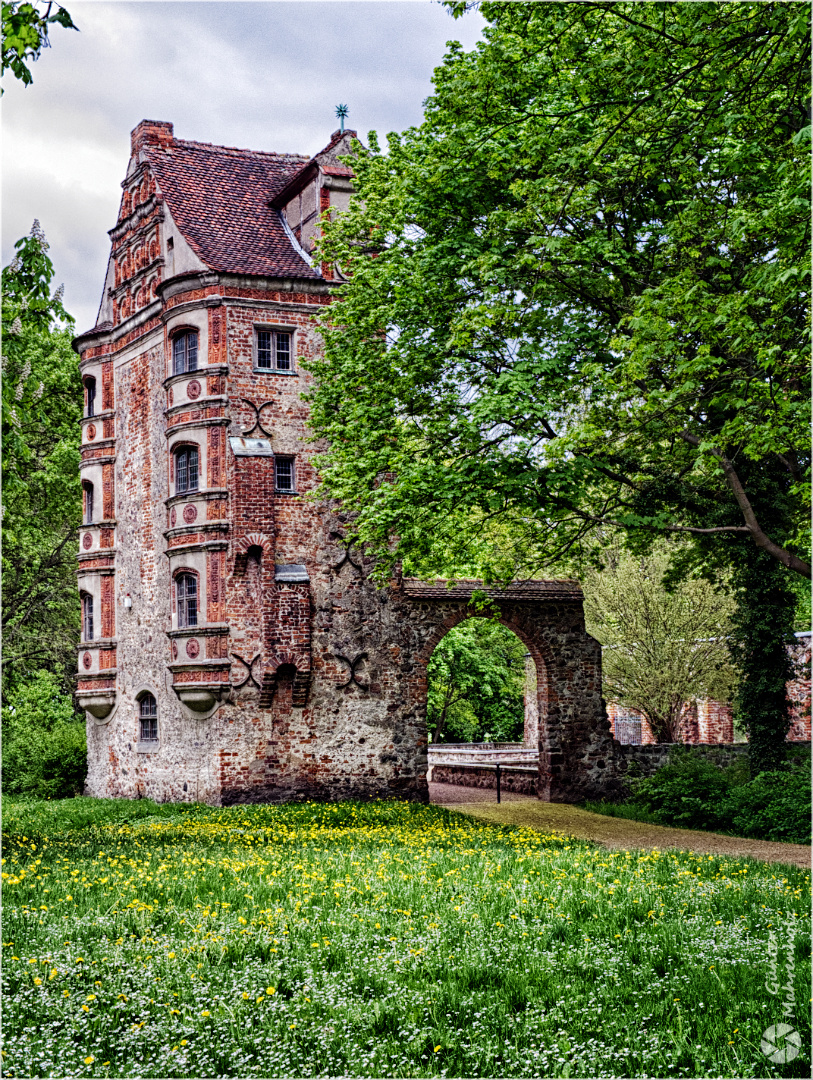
point(341, 112)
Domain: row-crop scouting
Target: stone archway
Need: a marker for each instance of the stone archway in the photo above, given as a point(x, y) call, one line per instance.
point(576, 759)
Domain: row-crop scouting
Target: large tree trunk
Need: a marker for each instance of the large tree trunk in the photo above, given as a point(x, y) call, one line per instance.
point(763, 632)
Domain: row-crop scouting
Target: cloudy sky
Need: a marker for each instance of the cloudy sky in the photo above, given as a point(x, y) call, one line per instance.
point(264, 75)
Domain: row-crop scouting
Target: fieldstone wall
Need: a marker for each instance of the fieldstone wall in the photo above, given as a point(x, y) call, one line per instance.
point(521, 781)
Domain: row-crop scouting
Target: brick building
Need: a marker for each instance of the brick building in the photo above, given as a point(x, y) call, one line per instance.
point(233, 646)
point(712, 722)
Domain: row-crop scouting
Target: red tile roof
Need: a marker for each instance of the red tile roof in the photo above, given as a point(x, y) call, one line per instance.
point(219, 198)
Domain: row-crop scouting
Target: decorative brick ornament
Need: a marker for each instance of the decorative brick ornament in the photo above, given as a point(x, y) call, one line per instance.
point(193, 648)
point(87, 660)
point(173, 516)
point(190, 513)
point(174, 650)
point(90, 431)
point(87, 541)
point(193, 389)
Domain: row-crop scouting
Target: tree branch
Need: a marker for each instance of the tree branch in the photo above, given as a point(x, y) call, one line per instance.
point(761, 539)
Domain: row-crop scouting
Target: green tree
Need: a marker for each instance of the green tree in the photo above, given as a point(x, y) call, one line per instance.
point(662, 649)
point(44, 743)
point(42, 408)
point(476, 679)
point(26, 33)
point(576, 296)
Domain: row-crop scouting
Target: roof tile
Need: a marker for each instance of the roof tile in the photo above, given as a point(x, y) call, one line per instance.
point(219, 198)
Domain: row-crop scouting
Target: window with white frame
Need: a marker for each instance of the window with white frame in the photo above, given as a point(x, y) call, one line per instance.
point(274, 350)
point(90, 396)
point(148, 717)
point(87, 617)
point(185, 352)
point(284, 476)
point(87, 491)
point(186, 592)
point(186, 469)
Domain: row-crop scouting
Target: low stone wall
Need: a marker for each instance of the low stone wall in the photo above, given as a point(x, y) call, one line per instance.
point(650, 758)
point(515, 778)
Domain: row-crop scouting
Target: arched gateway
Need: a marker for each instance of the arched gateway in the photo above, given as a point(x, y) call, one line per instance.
point(234, 647)
point(575, 743)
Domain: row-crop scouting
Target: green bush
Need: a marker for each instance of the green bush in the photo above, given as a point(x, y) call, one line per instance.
point(687, 792)
point(44, 744)
point(691, 792)
point(772, 806)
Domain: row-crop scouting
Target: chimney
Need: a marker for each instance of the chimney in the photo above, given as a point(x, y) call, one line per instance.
point(158, 132)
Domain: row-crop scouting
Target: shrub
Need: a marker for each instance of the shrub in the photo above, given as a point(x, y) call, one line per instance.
point(691, 792)
point(44, 744)
point(688, 792)
point(772, 806)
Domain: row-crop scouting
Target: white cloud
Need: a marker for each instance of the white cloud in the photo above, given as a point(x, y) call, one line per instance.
point(260, 75)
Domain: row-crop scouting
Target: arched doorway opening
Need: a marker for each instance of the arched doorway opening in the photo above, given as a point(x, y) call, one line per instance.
point(482, 687)
point(575, 749)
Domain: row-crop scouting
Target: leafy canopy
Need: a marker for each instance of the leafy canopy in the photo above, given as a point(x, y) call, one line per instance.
point(577, 295)
point(662, 650)
point(41, 413)
point(476, 679)
point(25, 35)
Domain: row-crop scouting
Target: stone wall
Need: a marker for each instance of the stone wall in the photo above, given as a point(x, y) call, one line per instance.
point(648, 759)
point(521, 781)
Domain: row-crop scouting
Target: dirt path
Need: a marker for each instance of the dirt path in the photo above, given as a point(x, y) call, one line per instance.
point(612, 832)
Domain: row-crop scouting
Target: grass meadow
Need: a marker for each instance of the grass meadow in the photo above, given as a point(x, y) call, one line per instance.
point(380, 939)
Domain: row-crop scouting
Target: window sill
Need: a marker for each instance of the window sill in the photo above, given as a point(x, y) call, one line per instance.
point(273, 371)
point(148, 747)
point(286, 491)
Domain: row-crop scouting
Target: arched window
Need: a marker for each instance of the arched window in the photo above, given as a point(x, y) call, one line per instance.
point(90, 396)
point(148, 716)
point(87, 617)
point(186, 469)
point(186, 586)
point(87, 491)
point(185, 352)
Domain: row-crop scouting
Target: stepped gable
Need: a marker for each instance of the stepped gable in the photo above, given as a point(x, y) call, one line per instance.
point(219, 198)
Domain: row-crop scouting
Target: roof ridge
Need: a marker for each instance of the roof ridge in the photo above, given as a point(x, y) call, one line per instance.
point(239, 150)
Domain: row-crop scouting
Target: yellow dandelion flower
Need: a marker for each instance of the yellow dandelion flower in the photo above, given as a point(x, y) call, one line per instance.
point(205, 1013)
point(259, 999)
point(89, 1060)
point(270, 990)
point(37, 982)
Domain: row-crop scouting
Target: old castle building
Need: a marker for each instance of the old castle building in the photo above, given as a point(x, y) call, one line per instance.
point(233, 646)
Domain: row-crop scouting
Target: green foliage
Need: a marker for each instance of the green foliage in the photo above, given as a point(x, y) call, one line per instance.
point(396, 940)
point(763, 628)
point(44, 745)
point(772, 806)
point(662, 649)
point(686, 792)
point(691, 792)
point(577, 293)
point(476, 679)
point(25, 35)
point(42, 408)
